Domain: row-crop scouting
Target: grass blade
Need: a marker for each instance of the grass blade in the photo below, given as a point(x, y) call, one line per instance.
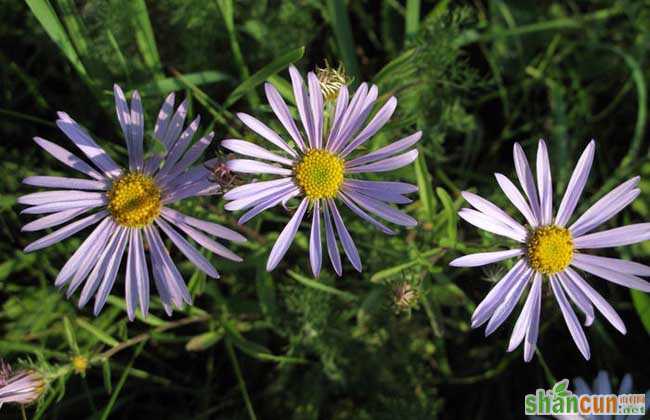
point(340, 21)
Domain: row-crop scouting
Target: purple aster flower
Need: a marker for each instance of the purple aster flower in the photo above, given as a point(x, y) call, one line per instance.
point(130, 206)
point(318, 169)
point(549, 249)
point(22, 387)
point(602, 385)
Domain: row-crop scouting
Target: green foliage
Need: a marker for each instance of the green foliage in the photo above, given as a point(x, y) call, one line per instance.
point(393, 341)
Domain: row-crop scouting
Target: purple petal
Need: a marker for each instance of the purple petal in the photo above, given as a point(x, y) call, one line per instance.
point(170, 277)
point(484, 258)
point(68, 183)
point(332, 248)
point(87, 145)
point(355, 120)
point(509, 302)
point(571, 319)
point(97, 274)
point(282, 112)
point(488, 224)
point(141, 274)
point(576, 185)
point(365, 216)
point(249, 149)
point(45, 197)
point(179, 148)
point(68, 158)
point(602, 385)
point(627, 280)
point(123, 117)
point(206, 242)
point(597, 219)
point(385, 195)
point(625, 235)
point(532, 330)
point(53, 219)
point(516, 199)
point(578, 297)
point(248, 166)
point(382, 210)
point(315, 246)
point(286, 237)
point(255, 188)
point(488, 305)
point(544, 183)
point(520, 328)
point(316, 106)
point(209, 227)
point(89, 260)
point(604, 203)
point(623, 266)
point(164, 116)
point(385, 165)
point(341, 106)
point(302, 103)
point(385, 151)
point(346, 240)
point(188, 250)
point(526, 180)
point(395, 187)
point(137, 131)
point(599, 302)
point(175, 125)
point(130, 285)
point(379, 120)
point(65, 232)
point(491, 210)
point(65, 205)
point(271, 201)
point(353, 112)
point(264, 131)
point(255, 198)
point(192, 154)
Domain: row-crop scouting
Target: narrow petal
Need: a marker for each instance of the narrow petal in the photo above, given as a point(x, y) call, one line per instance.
point(386, 151)
point(137, 132)
point(45, 197)
point(179, 148)
point(316, 107)
point(302, 103)
point(604, 203)
point(89, 258)
point(212, 228)
point(516, 199)
point(175, 125)
point(254, 199)
point(544, 183)
point(248, 166)
point(188, 250)
point(599, 302)
point(286, 237)
point(282, 112)
point(484, 258)
point(607, 213)
point(627, 280)
point(249, 149)
point(357, 113)
point(206, 242)
point(578, 297)
point(62, 155)
point(170, 276)
point(616, 264)
point(352, 112)
point(67, 183)
point(346, 240)
point(141, 274)
point(53, 219)
point(386, 165)
point(65, 232)
point(382, 210)
point(520, 328)
point(526, 180)
point(96, 276)
point(339, 112)
point(332, 248)
point(533, 320)
point(130, 286)
point(625, 235)
point(164, 116)
point(379, 120)
point(365, 216)
point(194, 152)
point(571, 319)
point(123, 116)
point(272, 201)
point(506, 307)
point(253, 188)
point(576, 185)
point(395, 187)
point(488, 305)
point(488, 224)
point(87, 145)
point(491, 210)
point(264, 131)
point(386, 195)
point(65, 205)
point(315, 246)
point(602, 385)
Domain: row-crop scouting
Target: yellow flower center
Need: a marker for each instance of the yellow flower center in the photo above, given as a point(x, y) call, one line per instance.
point(134, 200)
point(320, 174)
point(549, 249)
point(80, 364)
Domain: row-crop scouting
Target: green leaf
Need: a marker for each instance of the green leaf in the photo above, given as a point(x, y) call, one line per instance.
point(106, 373)
point(320, 286)
point(340, 22)
point(264, 73)
point(70, 335)
point(560, 388)
point(642, 305)
point(425, 188)
point(99, 334)
point(204, 341)
point(172, 84)
point(255, 350)
point(144, 37)
point(450, 213)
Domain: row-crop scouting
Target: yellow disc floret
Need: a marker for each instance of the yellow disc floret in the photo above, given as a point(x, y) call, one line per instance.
point(134, 200)
point(320, 174)
point(80, 364)
point(549, 249)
